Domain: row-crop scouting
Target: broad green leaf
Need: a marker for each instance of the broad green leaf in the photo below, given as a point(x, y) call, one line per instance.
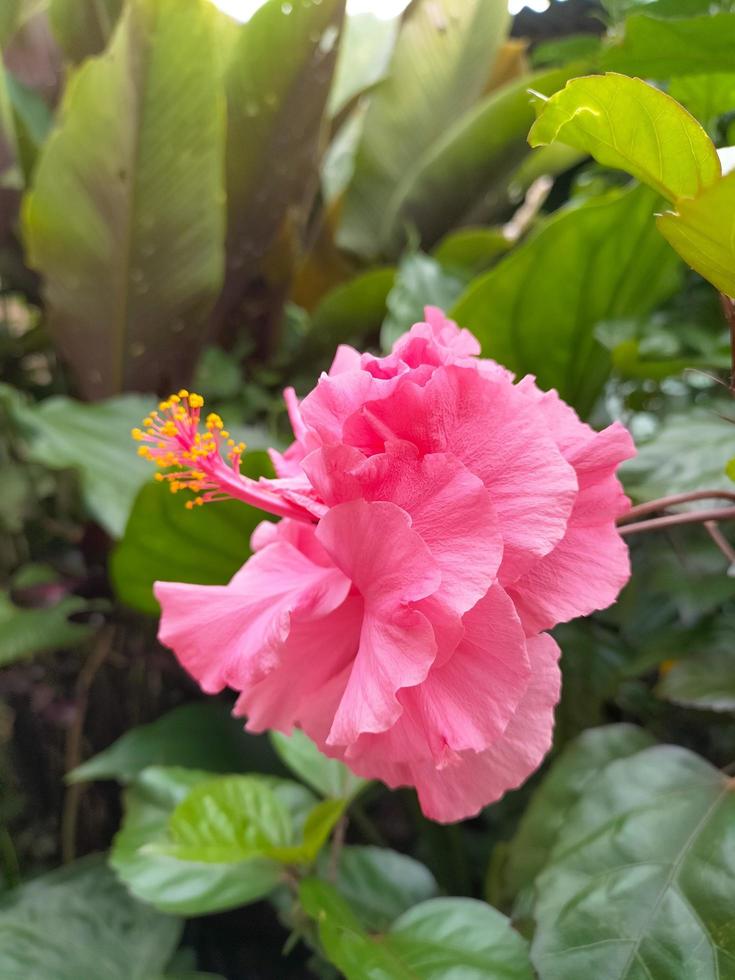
point(703, 678)
point(619, 10)
point(277, 78)
point(381, 884)
point(11, 178)
point(702, 231)
point(559, 51)
point(659, 48)
point(83, 27)
point(95, 441)
point(33, 121)
point(189, 887)
point(706, 96)
point(641, 880)
point(125, 220)
point(420, 281)
point(80, 922)
point(440, 65)
point(9, 14)
point(198, 736)
point(469, 162)
point(364, 55)
point(164, 541)
point(438, 939)
point(632, 126)
point(470, 251)
point(352, 311)
point(228, 819)
point(536, 310)
point(688, 452)
point(329, 777)
point(25, 632)
point(582, 760)
point(318, 826)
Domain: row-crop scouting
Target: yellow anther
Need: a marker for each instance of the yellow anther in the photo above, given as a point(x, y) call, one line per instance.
point(159, 477)
point(161, 444)
point(144, 451)
point(164, 405)
point(136, 434)
point(190, 505)
point(196, 401)
point(175, 486)
point(225, 434)
point(183, 393)
point(214, 421)
point(169, 429)
point(230, 442)
point(174, 399)
point(148, 422)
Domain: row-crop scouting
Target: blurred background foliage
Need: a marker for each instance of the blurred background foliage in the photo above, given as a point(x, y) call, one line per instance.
point(189, 200)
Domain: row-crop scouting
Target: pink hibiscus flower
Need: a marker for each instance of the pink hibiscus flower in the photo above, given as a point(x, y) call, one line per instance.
point(436, 518)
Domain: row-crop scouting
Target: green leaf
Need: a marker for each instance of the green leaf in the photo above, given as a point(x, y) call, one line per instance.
point(198, 736)
point(440, 66)
point(364, 55)
point(702, 231)
point(641, 882)
point(228, 819)
point(277, 78)
point(658, 48)
point(26, 632)
point(352, 311)
point(707, 96)
point(381, 884)
point(470, 251)
point(189, 887)
point(329, 777)
point(125, 220)
point(318, 826)
point(81, 922)
point(543, 821)
point(688, 452)
point(703, 679)
point(9, 16)
point(420, 281)
point(536, 310)
point(469, 163)
point(164, 541)
point(95, 440)
point(627, 124)
point(83, 27)
point(440, 938)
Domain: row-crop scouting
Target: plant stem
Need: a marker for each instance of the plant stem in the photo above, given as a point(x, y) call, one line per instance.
point(673, 520)
point(338, 841)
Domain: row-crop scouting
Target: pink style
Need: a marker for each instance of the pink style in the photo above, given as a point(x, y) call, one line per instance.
point(436, 519)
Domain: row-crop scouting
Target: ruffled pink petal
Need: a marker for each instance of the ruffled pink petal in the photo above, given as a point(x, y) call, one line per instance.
point(449, 508)
point(493, 429)
point(474, 780)
point(230, 634)
point(390, 566)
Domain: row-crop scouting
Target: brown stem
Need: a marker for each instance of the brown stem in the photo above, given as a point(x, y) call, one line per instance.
point(663, 503)
point(673, 520)
point(720, 540)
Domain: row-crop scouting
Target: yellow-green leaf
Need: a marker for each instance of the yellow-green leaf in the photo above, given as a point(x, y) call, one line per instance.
point(630, 125)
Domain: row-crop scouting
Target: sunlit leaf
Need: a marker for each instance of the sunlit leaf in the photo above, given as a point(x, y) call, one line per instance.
point(364, 55)
point(329, 777)
point(625, 123)
point(536, 310)
point(126, 217)
point(706, 96)
point(440, 65)
point(640, 882)
point(663, 48)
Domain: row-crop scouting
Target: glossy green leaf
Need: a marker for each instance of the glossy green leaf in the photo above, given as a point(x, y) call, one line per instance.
point(83, 27)
point(189, 887)
point(703, 678)
point(420, 281)
point(688, 452)
point(199, 736)
point(329, 777)
point(95, 441)
point(662, 48)
point(706, 96)
point(470, 162)
point(440, 938)
point(25, 632)
point(470, 251)
point(381, 884)
point(619, 10)
point(702, 231)
point(164, 541)
point(440, 65)
point(364, 55)
point(582, 760)
point(632, 126)
point(641, 881)
point(125, 220)
point(352, 311)
point(277, 78)
point(80, 922)
point(536, 310)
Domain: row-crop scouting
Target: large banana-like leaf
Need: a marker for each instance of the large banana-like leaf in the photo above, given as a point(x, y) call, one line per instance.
point(125, 219)
point(83, 27)
point(440, 66)
point(277, 80)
